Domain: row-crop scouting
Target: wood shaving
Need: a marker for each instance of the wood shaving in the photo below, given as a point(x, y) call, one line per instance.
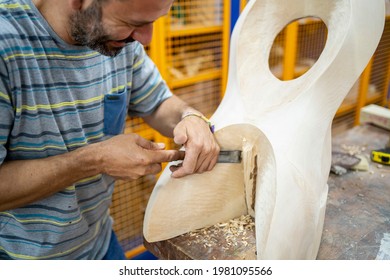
point(353, 149)
point(233, 231)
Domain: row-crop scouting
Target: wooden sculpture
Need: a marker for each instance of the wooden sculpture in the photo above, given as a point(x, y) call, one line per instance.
point(282, 127)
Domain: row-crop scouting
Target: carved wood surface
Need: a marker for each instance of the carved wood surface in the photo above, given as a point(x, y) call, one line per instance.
point(356, 220)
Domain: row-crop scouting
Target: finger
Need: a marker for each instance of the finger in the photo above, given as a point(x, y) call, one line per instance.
point(159, 145)
point(213, 157)
point(208, 155)
point(207, 160)
point(213, 162)
point(159, 156)
point(149, 145)
point(180, 134)
point(202, 164)
point(153, 168)
point(188, 166)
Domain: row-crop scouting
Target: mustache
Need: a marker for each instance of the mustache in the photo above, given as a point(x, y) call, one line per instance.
point(127, 40)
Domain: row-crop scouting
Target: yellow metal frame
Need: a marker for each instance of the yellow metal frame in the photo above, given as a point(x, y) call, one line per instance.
point(158, 45)
point(291, 47)
point(243, 4)
point(363, 89)
point(161, 42)
point(225, 45)
point(364, 85)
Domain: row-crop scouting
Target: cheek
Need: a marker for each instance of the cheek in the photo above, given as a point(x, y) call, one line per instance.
point(120, 33)
point(116, 32)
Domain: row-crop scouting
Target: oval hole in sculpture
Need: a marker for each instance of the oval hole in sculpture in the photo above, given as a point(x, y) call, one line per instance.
point(297, 47)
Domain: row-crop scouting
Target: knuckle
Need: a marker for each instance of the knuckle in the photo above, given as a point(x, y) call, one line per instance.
point(157, 168)
point(188, 170)
point(143, 161)
point(197, 146)
point(133, 135)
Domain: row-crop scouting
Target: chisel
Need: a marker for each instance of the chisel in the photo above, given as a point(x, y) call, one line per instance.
point(226, 156)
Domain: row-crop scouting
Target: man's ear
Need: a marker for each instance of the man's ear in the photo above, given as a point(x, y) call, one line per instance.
point(75, 4)
point(79, 4)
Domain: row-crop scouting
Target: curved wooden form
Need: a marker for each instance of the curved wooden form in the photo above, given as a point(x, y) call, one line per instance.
point(282, 127)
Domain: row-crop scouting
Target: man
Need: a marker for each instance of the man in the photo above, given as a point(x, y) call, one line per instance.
point(69, 72)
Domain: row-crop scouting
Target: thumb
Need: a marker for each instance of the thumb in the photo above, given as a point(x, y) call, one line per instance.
point(180, 134)
point(149, 145)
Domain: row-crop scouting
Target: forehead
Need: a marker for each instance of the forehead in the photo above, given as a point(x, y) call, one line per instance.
point(138, 10)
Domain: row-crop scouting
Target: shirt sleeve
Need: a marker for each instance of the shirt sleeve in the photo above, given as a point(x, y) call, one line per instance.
point(149, 90)
point(6, 110)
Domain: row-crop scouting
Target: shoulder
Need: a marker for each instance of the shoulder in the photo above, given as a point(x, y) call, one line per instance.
point(14, 15)
point(9, 37)
point(134, 49)
point(7, 27)
point(11, 31)
point(18, 21)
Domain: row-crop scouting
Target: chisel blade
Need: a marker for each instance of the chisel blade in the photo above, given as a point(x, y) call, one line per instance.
point(226, 156)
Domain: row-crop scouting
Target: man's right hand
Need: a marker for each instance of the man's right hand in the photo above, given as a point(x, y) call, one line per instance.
point(126, 157)
point(129, 156)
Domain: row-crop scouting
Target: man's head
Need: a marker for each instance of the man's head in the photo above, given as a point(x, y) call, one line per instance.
point(108, 25)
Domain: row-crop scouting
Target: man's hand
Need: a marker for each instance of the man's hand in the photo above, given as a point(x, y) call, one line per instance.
point(201, 149)
point(130, 156)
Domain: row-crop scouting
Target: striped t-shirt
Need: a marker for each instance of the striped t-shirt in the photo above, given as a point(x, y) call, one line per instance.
point(54, 98)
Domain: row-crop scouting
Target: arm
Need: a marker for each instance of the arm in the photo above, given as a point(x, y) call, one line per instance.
point(201, 148)
point(124, 156)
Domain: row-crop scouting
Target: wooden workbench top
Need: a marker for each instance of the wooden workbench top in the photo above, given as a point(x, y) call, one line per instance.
point(357, 220)
point(357, 216)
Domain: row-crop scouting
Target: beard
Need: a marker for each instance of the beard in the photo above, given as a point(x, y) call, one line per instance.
point(87, 30)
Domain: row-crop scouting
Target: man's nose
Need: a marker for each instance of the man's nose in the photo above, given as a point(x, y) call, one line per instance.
point(143, 34)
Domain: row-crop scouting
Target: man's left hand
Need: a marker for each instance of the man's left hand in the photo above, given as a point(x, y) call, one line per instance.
point(201, 148)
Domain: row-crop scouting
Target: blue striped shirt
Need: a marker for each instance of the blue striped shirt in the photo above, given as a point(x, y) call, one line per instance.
point(54, 98)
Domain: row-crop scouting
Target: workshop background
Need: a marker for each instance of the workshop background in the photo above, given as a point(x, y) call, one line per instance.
point(191, 48)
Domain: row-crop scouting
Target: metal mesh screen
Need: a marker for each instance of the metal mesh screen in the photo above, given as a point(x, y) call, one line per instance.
point(194, 47)
point(194, 57)
point(203, 96)
point(379, 82)
point(297, 47)
point(196, 13)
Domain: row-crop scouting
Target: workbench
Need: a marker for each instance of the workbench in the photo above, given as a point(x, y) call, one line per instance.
point(357, 219)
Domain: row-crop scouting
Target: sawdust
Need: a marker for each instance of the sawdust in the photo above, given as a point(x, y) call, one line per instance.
point(233, 232)
point(353, 149)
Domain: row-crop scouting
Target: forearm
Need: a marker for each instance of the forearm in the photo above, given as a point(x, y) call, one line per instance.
point(168, 115)
point(126, 157)
point(25, 181)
